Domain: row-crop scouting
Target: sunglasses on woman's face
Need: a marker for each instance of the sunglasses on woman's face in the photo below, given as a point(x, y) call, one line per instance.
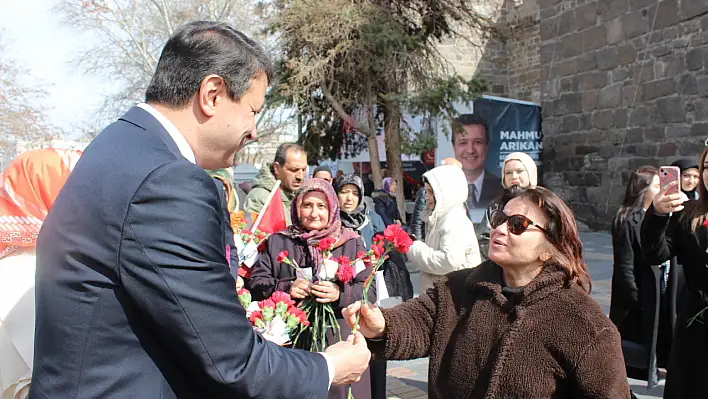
point(516, 224)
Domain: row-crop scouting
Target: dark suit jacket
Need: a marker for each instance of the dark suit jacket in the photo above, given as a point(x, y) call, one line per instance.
point(491, 189)
point(134, 297)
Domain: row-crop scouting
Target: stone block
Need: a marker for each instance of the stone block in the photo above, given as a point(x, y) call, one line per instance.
point(547, 3)
point(586, 119)
point(687, 84)
point(548, 29)
point(594, 38)
point(548, 53)
point(586, 15)
point(642, 150)
point(569, 46)
point(693, 8)
point(621, 118)
point(607, 58)
point(689, 27)
point(699, 130)
point(700, 106)
point(691, 148)
point(631, 95)
point(634, 136)
point(593, 80)
point(637, 4)
point(695, 58)
point(615, 32)
point(704, 23)
point(643, 73)
point(642, 115)
point(570, 83)
point(603, 119)
point(587, 61)
point(658, 88)
point(661, 51)
point(672, 110)
point(668, 14)
point(618, 75)
point(568, 103)
point(667, 150)
point(609, 9)
point(626, 54)
point(610, 96)
point(654, 134)
point(589, 102)
point(700, 39)
point(571, 123)
point(635, 24)
point(586, 149)
point(567, 23)
point(565, 68)
point(677, 131)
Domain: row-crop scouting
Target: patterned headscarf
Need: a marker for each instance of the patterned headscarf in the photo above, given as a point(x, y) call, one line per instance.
point(356, 219)
point(30, 185)
point(333, 228)
point(225, 177)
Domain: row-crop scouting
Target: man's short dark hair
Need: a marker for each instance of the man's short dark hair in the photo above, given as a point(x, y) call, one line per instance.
point(466, 120)
point(282, 152)
point(201, 48)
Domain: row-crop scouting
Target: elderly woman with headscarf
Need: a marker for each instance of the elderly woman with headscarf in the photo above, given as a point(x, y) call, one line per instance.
point(30, 185)
point(519, 171)
point(385, 202)
point(315, 215)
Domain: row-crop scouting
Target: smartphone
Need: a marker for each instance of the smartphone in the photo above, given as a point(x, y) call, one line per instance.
point(669, 174)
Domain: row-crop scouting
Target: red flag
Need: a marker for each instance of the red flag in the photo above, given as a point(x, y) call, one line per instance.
point(271, 219)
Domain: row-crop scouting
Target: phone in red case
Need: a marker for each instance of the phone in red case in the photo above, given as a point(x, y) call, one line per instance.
point(669, 174)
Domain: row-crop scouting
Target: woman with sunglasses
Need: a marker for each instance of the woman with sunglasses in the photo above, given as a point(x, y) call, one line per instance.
point(520, 325)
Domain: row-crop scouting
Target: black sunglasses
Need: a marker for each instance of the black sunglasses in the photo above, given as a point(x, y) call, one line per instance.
point(516, 224)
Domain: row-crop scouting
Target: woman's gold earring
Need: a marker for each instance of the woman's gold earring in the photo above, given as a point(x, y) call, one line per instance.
point(545, 257)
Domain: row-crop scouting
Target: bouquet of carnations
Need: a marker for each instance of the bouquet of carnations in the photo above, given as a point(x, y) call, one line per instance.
point(321, 315)
point(248, 242)
point(277, 318)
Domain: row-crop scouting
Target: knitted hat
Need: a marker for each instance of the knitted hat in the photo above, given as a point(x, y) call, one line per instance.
point(528, 163)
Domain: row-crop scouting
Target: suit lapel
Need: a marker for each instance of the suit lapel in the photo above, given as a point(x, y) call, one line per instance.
point(141, 118)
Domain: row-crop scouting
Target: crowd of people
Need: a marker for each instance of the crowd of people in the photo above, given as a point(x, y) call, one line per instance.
point(115, 277)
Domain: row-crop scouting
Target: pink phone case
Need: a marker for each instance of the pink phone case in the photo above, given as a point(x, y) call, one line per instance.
point(668, 174)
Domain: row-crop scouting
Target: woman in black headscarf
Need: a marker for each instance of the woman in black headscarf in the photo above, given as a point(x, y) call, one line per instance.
point(689, 176)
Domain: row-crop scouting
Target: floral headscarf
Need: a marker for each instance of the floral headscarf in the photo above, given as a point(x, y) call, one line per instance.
point(333, 228)
point(29, 187)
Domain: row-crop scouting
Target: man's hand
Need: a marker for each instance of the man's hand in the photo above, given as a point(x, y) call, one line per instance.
point(349, 358)
point(300, 289)
point(325, 291)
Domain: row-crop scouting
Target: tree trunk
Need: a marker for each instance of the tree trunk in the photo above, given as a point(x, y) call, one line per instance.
point(374, 159)
point(392, 130)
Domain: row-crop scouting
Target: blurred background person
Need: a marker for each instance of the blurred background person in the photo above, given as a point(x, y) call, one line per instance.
point(323, 172)
point(385, 201)
point(30, 184)
point(689, 176)
point(450, 243)
point(519, 171)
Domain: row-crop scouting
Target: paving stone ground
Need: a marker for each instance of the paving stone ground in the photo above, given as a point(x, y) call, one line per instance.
point(409, 379)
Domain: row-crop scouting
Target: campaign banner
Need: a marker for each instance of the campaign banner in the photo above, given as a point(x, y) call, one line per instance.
point(513, 127)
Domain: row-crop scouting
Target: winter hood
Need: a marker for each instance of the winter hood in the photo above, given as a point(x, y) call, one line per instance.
point(449, 188)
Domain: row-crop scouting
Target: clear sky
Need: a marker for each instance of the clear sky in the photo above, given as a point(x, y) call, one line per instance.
point(38, 43)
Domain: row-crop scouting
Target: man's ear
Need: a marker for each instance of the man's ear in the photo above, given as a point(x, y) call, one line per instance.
point(276, 170)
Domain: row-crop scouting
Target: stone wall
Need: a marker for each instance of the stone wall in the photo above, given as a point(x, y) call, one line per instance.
point(617, 94)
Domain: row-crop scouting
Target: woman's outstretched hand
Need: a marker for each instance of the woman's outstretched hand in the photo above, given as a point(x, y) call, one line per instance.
point(667, 203)
point(371, 322)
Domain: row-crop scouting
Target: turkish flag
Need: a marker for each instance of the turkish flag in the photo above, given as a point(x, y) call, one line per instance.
point(271, 219)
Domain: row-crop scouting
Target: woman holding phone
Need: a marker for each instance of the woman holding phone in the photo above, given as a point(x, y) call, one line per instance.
point(673, 227)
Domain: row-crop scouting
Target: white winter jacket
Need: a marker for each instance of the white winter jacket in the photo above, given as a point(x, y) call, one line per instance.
point(450, 241)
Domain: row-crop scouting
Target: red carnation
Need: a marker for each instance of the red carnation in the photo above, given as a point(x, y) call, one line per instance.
point(326, 243)
point(268, 303)
point(256, 315)
point(377, 238)
point(280, 296)
point(243, 291)
point(282, 256)
point(262, 246)
point(345, 273)
point(378, 249)
point(705, 222)
point(360, 254)
point(245, 231)
point(300, 314)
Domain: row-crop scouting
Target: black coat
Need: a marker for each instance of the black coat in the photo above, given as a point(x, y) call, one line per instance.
point(416, 225)
point(269, 275)
point(386, 206)
point(133, 293)
point(664, 237)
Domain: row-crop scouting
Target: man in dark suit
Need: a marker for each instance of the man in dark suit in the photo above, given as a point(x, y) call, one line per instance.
point(134, 296)
point(470, 141)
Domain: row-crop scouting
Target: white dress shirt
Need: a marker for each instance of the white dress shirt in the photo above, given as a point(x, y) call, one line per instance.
point(188, 153)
